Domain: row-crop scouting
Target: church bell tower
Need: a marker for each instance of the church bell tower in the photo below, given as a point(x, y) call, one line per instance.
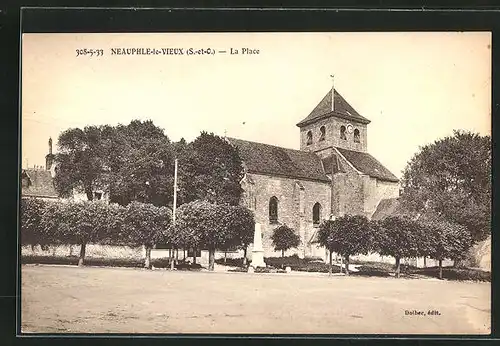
point(333, 123)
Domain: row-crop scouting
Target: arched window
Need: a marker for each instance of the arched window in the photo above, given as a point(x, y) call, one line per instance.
point(309, 138)
point(322, 133)
point(342, 132)
point(356, 136)
point(273, 209)
point(316, 214)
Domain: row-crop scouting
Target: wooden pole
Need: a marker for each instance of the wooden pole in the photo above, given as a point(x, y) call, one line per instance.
point(174, 210)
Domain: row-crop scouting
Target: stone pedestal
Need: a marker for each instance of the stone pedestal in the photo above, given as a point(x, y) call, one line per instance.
point(258, 250)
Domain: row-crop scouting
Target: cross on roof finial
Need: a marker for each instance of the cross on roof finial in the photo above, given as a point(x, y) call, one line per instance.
point(333, 92)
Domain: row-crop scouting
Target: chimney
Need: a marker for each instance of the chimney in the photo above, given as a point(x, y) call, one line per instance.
point(49, 158)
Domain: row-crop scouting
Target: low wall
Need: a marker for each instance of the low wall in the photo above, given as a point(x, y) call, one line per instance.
point(125, 252)
point(118, 252)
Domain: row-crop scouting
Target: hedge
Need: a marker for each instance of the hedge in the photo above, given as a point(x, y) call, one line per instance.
point(200, 225)
point(96, 222)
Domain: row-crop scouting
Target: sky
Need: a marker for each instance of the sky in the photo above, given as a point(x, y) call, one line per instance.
point(414, 87)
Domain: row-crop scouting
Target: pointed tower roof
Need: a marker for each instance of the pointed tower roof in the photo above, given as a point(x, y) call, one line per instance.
point(342, 109)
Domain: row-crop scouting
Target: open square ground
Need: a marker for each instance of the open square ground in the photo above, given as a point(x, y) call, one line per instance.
point(63, 299)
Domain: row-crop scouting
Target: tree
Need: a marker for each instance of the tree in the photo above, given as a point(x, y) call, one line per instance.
point(145, 224)
point(447, 240)
point(76, 223)
point(400, 237)
point(452, 179)
point(242, 227)
point(210, 169)
point(185, 232)
point(31, 211)
point(347, 235)
point(114, 232)
point(80, 161)
point(141, 159)
point(201, 224)
point(284, 238)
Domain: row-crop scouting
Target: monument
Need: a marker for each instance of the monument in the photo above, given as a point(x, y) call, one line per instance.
point(258, 251)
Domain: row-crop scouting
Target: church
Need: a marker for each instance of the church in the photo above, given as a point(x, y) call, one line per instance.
point(331, 175)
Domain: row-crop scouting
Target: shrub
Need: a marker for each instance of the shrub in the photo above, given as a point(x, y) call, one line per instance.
point(269, 270)
point(232, 262)
point(300, 264)
point(454, 273)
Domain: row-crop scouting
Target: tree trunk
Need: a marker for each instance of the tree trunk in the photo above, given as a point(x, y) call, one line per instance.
point(81, 260)
point(225, 256)
point(172, 259)
point(147, 260)
point(441, 269)
point(398, 266)
point(184, 251)
point(71, 250)
point(425, 262)
point(282, 258)
point(347, 265)
point(176, 256)
point(211, 259)
point(194, 255)
point(89, 193)
point(330, 267)
point(245, 256)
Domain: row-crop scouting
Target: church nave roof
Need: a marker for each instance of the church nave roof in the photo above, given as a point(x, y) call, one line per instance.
point(273, 160)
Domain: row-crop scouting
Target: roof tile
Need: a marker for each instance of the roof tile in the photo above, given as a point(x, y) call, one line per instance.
point(273, 160)
point(342, 109)
point(367, 164)
point(387, 207)
point(41, 183)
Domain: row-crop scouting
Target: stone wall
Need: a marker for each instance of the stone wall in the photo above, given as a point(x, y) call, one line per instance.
point(332, 137)
point(359, 194)
point(296, 199)
point(348, 194)
point(374, 190)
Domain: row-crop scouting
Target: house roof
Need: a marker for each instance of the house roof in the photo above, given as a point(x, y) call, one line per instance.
point(40, 183)
point(342, 109)
point(367, 164)
point(386, 207)
point(272, 160)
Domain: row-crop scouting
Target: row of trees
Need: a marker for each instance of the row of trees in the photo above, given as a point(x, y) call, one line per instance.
point(199, 225)
point(397, 236)
point(450, 178)
point(135, 162)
